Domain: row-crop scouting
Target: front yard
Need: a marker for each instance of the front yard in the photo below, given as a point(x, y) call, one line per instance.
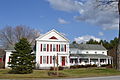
point(68, 73)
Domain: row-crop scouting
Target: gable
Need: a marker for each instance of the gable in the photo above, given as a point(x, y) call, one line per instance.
point(52, 35)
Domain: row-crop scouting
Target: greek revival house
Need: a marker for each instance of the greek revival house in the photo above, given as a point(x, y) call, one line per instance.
point(53, 48)
point(84, 54)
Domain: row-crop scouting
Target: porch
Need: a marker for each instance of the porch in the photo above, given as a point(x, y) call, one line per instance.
point(90, 59)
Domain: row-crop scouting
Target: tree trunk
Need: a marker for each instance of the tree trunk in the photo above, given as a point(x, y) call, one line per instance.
point(118, 48)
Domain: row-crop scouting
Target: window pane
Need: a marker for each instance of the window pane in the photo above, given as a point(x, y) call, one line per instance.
point(44, 47)
point(54, 47)
point(44, 59)
point(62, 47)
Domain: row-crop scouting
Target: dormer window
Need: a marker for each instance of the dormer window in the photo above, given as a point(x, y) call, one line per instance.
point(87, 52)
point(95, 52)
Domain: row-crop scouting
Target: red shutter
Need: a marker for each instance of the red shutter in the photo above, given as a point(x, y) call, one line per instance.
point(47, 59)
point(40, 59)
point(41, 47)
point(57, 47)
point(47, 47)
point(50, 47)
point(9, 59)
point(65, 48)
point(0, 59)
point(50, 59)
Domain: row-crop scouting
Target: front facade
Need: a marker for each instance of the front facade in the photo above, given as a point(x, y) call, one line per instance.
point(52, 48)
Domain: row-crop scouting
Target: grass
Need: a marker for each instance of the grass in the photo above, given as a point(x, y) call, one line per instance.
point(68, 73)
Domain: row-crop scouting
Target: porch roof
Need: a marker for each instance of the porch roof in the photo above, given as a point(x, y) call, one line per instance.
point(101, 56)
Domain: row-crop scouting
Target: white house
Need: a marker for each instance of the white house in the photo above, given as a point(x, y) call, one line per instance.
point(83, 54)
point(52, 48)
point(48, 47)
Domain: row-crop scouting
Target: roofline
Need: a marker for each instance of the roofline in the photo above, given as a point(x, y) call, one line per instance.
point(51, 31)
point(9, 50)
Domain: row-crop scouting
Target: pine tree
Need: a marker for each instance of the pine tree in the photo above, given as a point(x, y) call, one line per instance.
point(22, 60)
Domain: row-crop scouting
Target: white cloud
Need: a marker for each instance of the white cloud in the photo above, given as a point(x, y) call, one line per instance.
point(62, 21)
point(86, 38)
point(66, 5)
point(100, 33)
point(104, 16)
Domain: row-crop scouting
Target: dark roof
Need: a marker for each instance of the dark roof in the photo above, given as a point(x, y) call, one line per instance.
point(88, 46)
point(90, 55)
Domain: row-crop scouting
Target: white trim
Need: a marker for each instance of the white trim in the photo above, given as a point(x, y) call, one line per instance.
point(53, 30)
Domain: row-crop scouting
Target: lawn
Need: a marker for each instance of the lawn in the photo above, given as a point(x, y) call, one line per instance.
point(68, 73)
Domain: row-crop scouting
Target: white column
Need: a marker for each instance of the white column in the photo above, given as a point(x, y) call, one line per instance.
point(78, 60)
point(107, 61)
point(89, 61)
point(99, 62)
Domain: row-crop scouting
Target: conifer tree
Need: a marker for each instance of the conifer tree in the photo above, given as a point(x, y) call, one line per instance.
point(22, 59)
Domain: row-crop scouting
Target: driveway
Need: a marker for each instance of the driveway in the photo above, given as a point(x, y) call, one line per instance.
point(94, 78)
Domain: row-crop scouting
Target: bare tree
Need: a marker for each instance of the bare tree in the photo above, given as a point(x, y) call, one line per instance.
point(9, 35)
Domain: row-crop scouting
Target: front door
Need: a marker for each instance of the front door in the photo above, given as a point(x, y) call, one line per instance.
point(63, 60)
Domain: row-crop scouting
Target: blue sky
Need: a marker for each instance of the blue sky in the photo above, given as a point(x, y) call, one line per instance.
point(62, 15)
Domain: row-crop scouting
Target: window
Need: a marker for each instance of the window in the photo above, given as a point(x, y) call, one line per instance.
point(95, 52)
point(62, 47)
point(87, 52)
point(54, 47)
point(44, 59)
point(44, 47)
point(103, 52)
point(40, 59)
point(50, 59)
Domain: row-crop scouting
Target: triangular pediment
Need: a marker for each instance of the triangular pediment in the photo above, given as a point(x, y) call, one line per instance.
point(52, 35)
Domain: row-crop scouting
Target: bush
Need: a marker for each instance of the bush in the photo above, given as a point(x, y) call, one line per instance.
point(82, 66)
point(107, 65)
point(94, 65)
point(1, 65)
point(60, 68)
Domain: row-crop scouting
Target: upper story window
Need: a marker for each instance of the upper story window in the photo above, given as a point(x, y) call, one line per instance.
point(44, 47)
point(62, 47)
point(102, 52)
point(54, 49)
